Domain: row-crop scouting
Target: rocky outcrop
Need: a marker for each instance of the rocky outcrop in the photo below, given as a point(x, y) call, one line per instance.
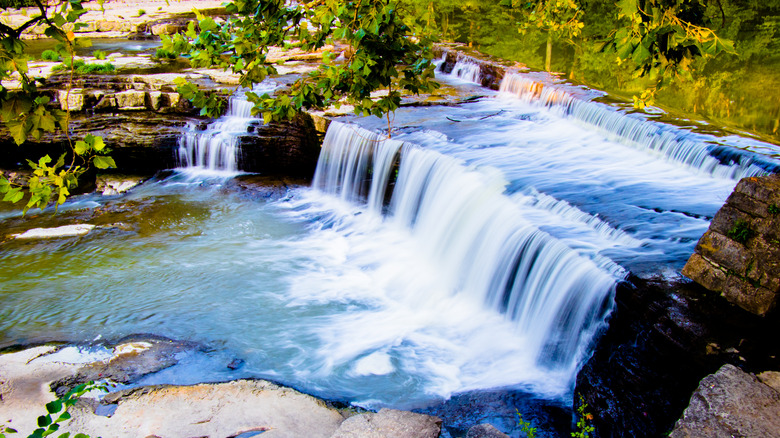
point(389, 423)
point(739, 256)
point(491, 73)
point(731, 403)
point(236, 408)
point(662, 340)
point(283, 148)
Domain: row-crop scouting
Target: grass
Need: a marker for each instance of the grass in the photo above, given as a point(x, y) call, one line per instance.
point(51, 55)
point(99, 54)
point(83, 68)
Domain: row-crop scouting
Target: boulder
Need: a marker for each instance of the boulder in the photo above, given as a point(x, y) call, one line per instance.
point(731, 403)
point(739, 256)
point(389, 423)
point(485, 430)
point(663, 339)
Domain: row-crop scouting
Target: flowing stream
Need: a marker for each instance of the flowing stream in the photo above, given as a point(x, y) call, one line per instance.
point(479, 248)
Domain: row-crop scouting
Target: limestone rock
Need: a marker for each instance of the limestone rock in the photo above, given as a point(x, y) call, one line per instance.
point(739, 256)
point(485, 430)
point(770, 378)
point(114, 185)
point(389, 423)
point(214, 410)
point(731, 403)
point(73, 101)
point(131, 100)
point(48, 233)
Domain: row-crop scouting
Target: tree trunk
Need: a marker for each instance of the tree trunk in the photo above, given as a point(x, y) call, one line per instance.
point(548, 58)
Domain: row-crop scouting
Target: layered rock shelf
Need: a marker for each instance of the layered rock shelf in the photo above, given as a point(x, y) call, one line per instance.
point(739, 256)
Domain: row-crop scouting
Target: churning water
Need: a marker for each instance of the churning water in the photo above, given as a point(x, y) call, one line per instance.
point(478, 248)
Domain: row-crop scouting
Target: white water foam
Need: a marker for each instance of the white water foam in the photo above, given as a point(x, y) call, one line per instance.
point(667, 141)
point(214, 150)
point(448, 279)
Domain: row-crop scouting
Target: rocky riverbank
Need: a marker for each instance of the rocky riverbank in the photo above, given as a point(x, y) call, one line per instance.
point(32, 377)
point(663, 339)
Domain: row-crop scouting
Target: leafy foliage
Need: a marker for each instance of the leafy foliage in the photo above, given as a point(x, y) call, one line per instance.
point(584, 428)
point(525, 426)
point(560, 18)
point(662, 39)
point(384, 52)
point(164, 54)
point(740, 231)
point(26, 112)
point(57, 413)
point(81, 67)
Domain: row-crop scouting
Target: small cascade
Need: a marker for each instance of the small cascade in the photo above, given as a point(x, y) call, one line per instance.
point(477, 239)
point(214, 150)
point(468, 70)
point(671, 142)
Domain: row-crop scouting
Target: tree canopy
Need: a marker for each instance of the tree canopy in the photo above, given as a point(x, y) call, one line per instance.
point(26, 112)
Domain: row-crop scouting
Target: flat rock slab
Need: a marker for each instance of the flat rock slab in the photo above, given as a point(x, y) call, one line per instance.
point(231, 409)
point(49, 233)
point(213, 410)
point(731, 403)
point(389, 423)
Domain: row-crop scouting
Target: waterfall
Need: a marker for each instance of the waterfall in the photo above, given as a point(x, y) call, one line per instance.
point(468, 70)
point(477, 238)
point(215, 148)
point(673, 143)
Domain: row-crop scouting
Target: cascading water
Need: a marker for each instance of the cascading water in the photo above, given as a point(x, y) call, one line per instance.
point(675, 144)
point(476, 238)
point(214, 150)
point(467, 69)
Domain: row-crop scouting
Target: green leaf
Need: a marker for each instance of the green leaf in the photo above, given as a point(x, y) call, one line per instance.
point(103, 162)
point(54, 406)
point(43, 420)
point(207, 24)
point(98, 144)
point(81, 147)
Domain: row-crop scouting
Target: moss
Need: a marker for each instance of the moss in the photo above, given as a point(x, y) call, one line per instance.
point(740, 232)
point(773, 209)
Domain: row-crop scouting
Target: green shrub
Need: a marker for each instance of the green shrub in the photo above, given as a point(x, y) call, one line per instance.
point(773, 209)
point(99, 54)
point(50, 55)
point(164, 54)
point(83, 68)
point(141, 12)
point(96, 68)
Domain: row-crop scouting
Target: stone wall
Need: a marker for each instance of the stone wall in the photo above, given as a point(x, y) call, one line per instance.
point(739, 256)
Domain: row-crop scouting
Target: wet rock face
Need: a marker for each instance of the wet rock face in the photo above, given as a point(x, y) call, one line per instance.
point(389, 423)
point(491, 73)
point(731, 403)
point(739, 256)
point(662, 340)
point(285, 148)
